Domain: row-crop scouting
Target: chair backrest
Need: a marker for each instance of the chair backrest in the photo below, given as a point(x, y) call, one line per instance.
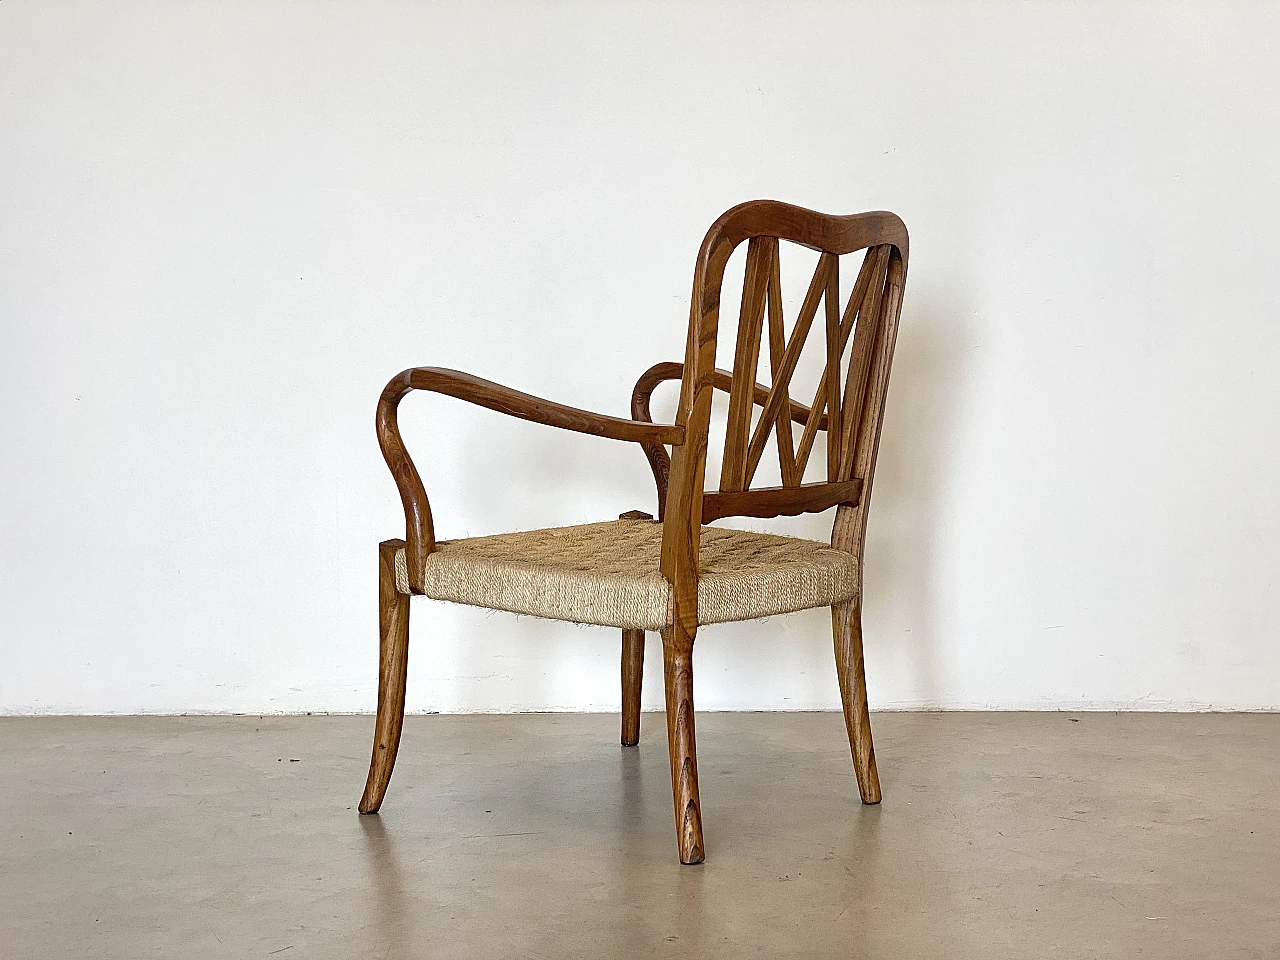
point(849, 403)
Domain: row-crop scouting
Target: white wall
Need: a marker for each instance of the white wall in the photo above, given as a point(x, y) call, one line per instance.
point(224, 226)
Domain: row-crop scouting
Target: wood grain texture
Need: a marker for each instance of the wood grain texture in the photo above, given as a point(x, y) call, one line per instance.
point(865, 394)
point(677, 664)
point(777, 354)
point(777, 394)
point(823, 395)
point(393, 658)
point(846, 625)
point(831, 375)
point(632, 666)
point(720, 379)
point(420, 538)
point(684, 499)
point(818, 231)
point(849, 531)
point(868, 319)
point(526, 406)
point(779, 501)
point(632, 683)
point(659, 459)
point(746, 362)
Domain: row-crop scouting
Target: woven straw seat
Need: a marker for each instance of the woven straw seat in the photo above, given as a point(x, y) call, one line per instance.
point(607, 574)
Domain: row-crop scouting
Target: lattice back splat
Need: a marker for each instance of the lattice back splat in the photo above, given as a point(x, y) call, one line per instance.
point(849, 400)
point(837, 407)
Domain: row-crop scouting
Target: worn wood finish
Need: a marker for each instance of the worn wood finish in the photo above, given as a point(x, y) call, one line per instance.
point(849, 408)
point(677, 670)
point(393, 657)
point(846, 625)
point(779, 501)
point(632, 683)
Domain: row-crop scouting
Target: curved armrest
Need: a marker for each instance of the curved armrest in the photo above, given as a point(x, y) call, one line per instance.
point(419, 531)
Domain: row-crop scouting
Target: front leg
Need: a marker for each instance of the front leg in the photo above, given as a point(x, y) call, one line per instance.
point(393, 612)
point(677, 663)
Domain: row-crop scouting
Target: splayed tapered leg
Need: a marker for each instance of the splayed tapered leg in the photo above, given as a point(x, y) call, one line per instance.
point(677, 663)
point(393, 614)
point(632, 680)
point(846, 624)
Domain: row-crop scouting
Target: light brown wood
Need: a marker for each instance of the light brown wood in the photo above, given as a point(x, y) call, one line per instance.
point(777, 353)
point(677, 666)
point(818, 287)
point(393, 658)
point(847, 326)
point(817, 231)
point(846, 625)
point(632, 666)
point(659, 459)
point(835, 350)
point(632, 682)
point(849, 531)
point(685, 498)
point(719, 379)
point(868, 324)
point(780, 501)
point(526, 406)
point(746, 362)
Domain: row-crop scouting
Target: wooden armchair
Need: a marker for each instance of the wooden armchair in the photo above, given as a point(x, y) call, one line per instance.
point(674, 573)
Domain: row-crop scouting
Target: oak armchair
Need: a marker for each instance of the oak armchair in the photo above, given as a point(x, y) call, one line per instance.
point(675, 573)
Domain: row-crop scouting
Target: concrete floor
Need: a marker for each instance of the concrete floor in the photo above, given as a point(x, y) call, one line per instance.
point(1001, 835)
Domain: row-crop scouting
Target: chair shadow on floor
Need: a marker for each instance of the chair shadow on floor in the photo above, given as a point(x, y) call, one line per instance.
point(391, 911)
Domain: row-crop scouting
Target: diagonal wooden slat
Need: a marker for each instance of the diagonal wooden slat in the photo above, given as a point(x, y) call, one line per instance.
point(846, 327)
point(746, 360)
point(777, 348)
point(835, 350)
point(775, 402)
point(868, 323)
